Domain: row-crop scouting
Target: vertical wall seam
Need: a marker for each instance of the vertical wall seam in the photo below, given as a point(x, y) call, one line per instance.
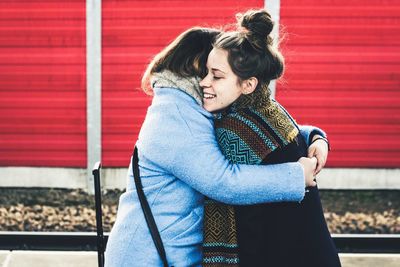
point(274, 8)
point(93, 86)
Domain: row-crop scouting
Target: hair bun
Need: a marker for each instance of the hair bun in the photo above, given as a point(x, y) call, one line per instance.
point(256, 22)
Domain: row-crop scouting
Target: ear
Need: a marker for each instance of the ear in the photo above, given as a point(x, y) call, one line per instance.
point(249, 85)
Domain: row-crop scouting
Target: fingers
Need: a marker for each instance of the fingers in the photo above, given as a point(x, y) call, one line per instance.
point(320, 152)
point(314, 161)
point(318, 169)
point(311, 183)
point(311, 152)
point(321, 163)
point(321, 159)
point(309, 165)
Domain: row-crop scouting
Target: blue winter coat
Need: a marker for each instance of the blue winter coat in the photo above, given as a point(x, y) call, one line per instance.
point(180, 161)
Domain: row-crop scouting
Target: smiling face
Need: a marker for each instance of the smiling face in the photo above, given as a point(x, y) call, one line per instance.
point(221, 87)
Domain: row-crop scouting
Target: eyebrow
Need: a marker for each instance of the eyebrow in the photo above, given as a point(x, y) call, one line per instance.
point(214, 69)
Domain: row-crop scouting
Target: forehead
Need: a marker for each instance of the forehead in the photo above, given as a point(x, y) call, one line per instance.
point(218, 59)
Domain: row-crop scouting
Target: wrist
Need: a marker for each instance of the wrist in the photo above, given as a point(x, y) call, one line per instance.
point(318, 137)
point(315, 137)
point(315, 133)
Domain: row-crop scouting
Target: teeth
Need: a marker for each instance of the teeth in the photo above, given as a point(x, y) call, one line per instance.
point(209, 96)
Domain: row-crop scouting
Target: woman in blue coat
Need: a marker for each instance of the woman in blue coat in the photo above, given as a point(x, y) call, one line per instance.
point(180, 162)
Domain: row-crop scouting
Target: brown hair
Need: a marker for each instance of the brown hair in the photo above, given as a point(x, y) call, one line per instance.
point(251, 52)
point(185, 56)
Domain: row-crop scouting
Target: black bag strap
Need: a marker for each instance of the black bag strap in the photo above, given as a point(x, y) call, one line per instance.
point(148, 215)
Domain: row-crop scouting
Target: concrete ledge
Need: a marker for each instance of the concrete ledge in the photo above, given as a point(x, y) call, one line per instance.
point(59, 177)
point(351, 178)
point(370, 260)
point(50, 259)
point(330, 178)
point(42, 177)
point(3, 257)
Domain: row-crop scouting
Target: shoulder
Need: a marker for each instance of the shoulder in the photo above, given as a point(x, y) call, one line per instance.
point(193, 116)
point(168, 97)
point(174, 115)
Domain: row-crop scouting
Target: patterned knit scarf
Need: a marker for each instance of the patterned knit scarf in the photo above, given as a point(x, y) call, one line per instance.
point(246, 136)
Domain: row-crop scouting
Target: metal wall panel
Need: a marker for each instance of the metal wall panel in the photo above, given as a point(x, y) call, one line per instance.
point(343, 74)
point(133, 32)
point(42, 83)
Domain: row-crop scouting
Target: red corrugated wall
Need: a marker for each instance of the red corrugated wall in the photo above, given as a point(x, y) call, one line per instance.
point(133, 32)
point(42, 83)
point(343, 74)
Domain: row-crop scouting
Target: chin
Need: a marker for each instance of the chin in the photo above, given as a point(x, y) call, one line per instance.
point(209, 109)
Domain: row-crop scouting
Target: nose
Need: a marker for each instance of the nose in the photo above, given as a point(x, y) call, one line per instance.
point(205, 82)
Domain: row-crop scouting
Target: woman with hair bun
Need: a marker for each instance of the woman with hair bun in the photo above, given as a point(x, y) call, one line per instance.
point(252, 128)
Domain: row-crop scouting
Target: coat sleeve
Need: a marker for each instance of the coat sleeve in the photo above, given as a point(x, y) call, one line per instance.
point(308, 132)
point(188, 149)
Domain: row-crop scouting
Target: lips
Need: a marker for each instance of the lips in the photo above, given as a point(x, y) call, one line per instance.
point(209, 95)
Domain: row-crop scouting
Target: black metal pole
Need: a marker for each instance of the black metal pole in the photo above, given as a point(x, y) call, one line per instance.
point(99, 218)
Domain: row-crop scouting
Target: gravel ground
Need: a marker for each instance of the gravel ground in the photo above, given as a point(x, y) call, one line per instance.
point(73, 210)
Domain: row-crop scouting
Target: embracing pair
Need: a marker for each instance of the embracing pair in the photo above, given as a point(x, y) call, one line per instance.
point(228, 174)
